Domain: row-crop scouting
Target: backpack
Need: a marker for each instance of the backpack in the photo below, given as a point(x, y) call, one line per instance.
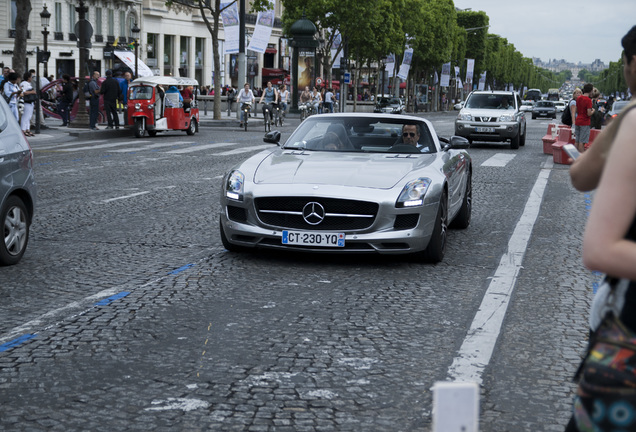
point(566, 117)
point(86, 90)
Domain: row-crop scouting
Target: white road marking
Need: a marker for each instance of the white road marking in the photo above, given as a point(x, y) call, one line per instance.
point(70, 144)
point(99, 146)
point(477, 348)
point(124, 197)
point(151, 146)
point(199, 148)
point(244, 150)
point(499, 160)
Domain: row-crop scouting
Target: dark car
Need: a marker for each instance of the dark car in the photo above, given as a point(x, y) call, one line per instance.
point(17, 188)
point(392, 105)
point(544, 108)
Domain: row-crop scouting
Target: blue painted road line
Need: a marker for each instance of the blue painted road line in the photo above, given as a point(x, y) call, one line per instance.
point(180, 269)
point(15, 342)
point(112, 298)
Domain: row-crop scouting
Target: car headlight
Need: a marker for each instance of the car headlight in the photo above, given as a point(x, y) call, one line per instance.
point(465, 117)
point(138, 106)
point(507, 118)
point(234, 185)
point(413, 193)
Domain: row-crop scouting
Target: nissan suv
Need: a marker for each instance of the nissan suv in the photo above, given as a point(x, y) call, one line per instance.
point(492, 116)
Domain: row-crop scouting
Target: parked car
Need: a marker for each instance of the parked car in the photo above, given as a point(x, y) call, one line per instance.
point(17, 188)
point(544, 108)
point(527, 105)
point(617, 107)
point(391, 105)
point(348, 183)
point(492, 116)
point(560, 106)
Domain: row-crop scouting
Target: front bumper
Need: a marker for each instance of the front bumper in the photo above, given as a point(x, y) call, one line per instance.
point(486, 131)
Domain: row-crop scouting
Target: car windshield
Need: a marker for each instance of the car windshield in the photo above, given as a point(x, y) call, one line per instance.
point(140, 93)
point(490, 101)
point(361, 135)
point(388, 101)
point(544, 104)
point(618, 106)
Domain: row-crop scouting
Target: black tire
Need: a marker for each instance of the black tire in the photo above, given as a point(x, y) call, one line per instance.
point(226, 243)
point(245, 123)
point(462, 220)
point(192, 129)
point(534, 117)
point(15, 233)
point(152, 133)
point(436, 248)
point(522, 141)
point(514, 142)
point(140, 132)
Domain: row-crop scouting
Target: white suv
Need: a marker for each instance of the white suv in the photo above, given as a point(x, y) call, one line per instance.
point(492, 116)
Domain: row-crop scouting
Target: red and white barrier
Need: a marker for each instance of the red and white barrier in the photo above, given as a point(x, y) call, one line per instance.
point(564, 137)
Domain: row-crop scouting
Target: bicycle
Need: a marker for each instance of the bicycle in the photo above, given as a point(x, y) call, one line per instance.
point(267, 119)
point(278, 115)
point(303, 111)
point(246, 113)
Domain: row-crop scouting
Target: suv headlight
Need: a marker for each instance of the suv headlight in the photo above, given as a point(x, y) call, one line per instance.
point(507, 118)
point(465, 117)
point(413, 193)
point(234, 185)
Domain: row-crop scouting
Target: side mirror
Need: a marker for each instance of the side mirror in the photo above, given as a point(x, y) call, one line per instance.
point(455, 142)
point(272, 137)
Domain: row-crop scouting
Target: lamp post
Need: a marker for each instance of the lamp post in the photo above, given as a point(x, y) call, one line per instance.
point(135, 34)
point(83, 32)
point(45, 16)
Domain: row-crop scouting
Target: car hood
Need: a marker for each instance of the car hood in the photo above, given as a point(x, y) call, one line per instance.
point(476, 112)
point(379, 171)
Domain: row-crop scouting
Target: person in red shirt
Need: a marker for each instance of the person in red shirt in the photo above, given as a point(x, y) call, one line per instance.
point(187, 95)
point(584, 112)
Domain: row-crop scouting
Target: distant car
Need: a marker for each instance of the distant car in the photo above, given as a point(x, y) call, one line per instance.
point(459, 105)
point(492, 116)
point(560, 106)
point(349, 183)
point(392, 105)
point(544, 108)
point(617, 107)
point(17, 188)
point(527, 105)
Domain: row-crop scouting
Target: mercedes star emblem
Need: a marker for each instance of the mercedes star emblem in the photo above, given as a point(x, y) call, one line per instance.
point(313, 213)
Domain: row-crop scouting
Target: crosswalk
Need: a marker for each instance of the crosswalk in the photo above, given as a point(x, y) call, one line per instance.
point(175, 147)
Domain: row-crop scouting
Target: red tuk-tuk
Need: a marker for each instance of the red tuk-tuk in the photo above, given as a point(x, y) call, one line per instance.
point(157, 104)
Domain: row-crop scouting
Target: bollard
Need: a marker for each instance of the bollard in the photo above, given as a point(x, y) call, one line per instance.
point(549, 138)
point(455, 407)
point(565, 137)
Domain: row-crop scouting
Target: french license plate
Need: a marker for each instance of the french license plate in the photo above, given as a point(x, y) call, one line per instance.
point(313, 239)
point(485, 129)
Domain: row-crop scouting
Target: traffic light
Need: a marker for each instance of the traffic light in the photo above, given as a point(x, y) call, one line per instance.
point(43, 56)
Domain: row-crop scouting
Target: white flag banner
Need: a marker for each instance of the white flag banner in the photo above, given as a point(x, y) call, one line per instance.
point(456, 71)
point(482, 81)
point(470, 68)
point(446, 68)
point(458, 83)
point(406, 64)
point(335, 59)
point(436, 77)
point(389, 63)
point(231, 27)
point(129, 59)
point(263, 29)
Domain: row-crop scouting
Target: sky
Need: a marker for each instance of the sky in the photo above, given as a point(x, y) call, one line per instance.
point(577, 31)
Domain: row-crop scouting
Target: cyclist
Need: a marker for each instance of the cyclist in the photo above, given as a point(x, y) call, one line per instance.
point(328, 103)
point(245, 96)
point(316, 99)
point(283, 96)
point(270, 97)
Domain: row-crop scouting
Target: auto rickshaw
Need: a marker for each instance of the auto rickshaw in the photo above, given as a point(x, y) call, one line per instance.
point(156, 104)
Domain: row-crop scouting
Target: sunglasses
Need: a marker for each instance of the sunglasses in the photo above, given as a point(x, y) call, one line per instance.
point(408, 134)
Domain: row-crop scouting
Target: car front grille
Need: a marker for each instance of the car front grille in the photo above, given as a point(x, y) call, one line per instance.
point(486, 119)
point(330, 213)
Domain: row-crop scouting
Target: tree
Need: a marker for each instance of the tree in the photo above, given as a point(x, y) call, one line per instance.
point(214, 9)
point(21, 35)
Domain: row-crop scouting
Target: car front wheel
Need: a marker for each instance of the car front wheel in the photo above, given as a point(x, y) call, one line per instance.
point(15, 229)
point(436, 248)
point(462, 220)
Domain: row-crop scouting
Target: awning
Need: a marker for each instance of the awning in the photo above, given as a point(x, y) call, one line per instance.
point(129, 59)
point(270, 51)
point(269, 72)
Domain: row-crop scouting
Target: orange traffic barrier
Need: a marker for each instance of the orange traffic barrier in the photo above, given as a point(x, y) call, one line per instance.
point(565, 137)
point(549, 138)
point(593, 134)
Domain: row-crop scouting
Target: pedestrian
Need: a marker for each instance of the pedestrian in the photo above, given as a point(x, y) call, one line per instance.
point(123, 85)
point(584, 113)
point(93, 95)
point(29, 97)
point(231, 94)
point(12, 92)
point(596, 121)
point(66, 100)
point(328, 102)
point(609, 246)
point(112, 93)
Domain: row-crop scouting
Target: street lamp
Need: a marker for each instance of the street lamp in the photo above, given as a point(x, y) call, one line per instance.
point(135, 34)
point(45, 15)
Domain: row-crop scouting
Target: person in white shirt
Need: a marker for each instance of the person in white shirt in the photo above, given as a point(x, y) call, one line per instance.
point(12, 92)
point(245, 96)
point(283, 94)
point(328, 103)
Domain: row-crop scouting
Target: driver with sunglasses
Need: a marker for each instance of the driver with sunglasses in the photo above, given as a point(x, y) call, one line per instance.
point(411, 136)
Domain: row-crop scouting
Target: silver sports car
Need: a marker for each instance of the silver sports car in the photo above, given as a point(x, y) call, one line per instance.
point(350, 183)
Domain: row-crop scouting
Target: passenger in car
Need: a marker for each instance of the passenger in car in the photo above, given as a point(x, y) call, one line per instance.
point(331, 142)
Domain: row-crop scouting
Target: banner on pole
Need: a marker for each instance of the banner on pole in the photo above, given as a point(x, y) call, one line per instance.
point(263, 29)
point(482, 81)
point(470, 68)
point(231, 24)
point(446, 68)
point(406, 64)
